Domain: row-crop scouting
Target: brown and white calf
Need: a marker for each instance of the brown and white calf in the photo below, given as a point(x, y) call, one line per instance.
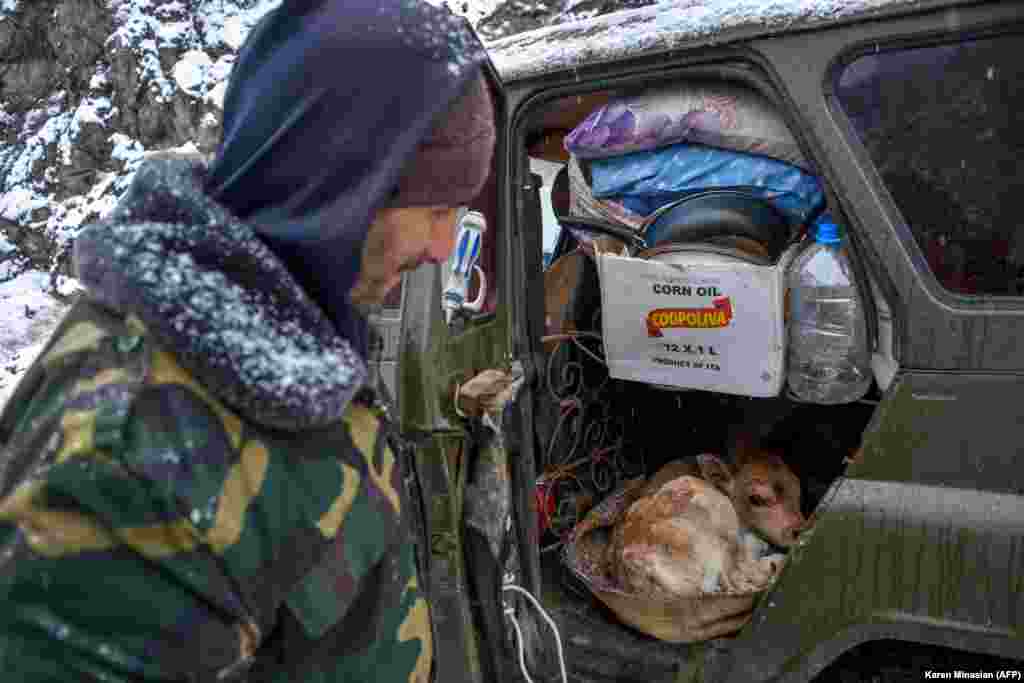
point(697, 528)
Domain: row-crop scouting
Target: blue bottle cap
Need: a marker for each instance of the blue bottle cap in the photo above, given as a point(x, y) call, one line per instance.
point(828, 233)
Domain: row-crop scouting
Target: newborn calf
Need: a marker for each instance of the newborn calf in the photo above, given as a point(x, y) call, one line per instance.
point(697, 528)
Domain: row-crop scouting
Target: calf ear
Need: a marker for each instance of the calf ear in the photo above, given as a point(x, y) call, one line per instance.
point(743, 448)
point(712, 469)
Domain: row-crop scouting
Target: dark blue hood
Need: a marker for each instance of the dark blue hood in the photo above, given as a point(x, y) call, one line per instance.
point(327, 102)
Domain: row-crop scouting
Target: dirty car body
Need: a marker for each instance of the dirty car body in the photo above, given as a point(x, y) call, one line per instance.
point(919, 539)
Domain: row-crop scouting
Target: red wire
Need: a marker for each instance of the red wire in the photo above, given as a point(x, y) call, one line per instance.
point(544, 499)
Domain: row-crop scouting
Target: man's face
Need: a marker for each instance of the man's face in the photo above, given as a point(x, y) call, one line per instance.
point(402, 239)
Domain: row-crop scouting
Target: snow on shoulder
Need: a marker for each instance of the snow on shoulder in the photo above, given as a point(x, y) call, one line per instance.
point(670, 24)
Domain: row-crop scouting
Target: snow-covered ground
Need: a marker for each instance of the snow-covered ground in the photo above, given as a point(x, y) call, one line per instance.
point(27, 316)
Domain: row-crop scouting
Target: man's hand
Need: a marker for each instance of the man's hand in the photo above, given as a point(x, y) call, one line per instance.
point(488, 392)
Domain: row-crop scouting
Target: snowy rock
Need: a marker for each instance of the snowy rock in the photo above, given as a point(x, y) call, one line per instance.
point(90, 87)
point(192, 71)
point(234, 32)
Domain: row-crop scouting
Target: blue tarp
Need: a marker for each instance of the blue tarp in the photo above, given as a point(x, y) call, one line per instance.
point(645, 181)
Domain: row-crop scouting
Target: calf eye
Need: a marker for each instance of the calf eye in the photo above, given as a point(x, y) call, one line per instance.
point(758, 500)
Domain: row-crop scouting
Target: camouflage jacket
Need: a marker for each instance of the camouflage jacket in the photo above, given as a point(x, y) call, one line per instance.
point(189, 491)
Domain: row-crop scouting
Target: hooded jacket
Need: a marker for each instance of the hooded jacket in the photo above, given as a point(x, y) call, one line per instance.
point(191, 489)
point(357, 86)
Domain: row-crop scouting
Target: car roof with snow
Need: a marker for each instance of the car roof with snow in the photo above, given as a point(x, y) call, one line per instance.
point(673, 24)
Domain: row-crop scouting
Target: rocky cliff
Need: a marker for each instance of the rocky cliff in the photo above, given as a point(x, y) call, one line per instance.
point(87, 88)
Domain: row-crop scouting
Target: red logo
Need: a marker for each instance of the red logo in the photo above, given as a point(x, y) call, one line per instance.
point(719, 314)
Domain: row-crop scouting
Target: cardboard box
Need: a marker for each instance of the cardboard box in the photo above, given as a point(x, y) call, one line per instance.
point(695, 321)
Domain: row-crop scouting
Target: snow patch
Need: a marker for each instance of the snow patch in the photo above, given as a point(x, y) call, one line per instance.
point(188, 149)
point(665, 25)
point(131, 153)
point(100, 79)
point(175, 33)
point(192, 71)
point(170, 9)
point(67, 286)
point(93, 110)
point(230, 25)
point(217, 94)
point(22, 186)
point(18, 204)
point(474, 10)
point(28, 315)
point(234, 32)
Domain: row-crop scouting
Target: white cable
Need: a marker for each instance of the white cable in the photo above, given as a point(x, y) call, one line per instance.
point(510, 613)
point(587, 351)
point(551, 622)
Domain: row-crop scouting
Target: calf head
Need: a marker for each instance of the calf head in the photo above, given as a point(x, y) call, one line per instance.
point(762, 488)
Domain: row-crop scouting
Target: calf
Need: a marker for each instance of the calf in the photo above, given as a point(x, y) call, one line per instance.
point(697, 528)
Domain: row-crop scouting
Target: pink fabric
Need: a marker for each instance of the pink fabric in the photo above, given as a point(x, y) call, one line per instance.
point(722, 115)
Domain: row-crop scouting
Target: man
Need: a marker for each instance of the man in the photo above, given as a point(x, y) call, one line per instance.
point(192, 488)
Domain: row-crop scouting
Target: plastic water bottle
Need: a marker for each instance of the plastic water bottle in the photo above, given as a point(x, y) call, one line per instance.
point(829, 354)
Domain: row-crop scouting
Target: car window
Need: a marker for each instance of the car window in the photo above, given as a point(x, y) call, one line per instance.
point(547, 170)
point(941, 124)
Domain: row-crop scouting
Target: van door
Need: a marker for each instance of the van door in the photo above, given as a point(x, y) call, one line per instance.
point(434, 358)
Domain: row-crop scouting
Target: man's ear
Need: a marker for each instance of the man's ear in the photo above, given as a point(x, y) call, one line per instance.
point(714, 470)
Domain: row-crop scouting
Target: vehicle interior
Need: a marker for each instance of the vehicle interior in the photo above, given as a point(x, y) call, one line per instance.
point(594, 432)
